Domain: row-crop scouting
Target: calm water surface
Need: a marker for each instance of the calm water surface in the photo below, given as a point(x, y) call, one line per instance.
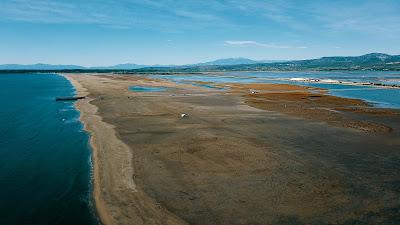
point(147, 89)
point(45, 167)
point(381, 97)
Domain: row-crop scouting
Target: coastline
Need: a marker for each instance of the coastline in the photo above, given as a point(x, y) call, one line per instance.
point(113, 172)
point(89, 118)
point(235, 151)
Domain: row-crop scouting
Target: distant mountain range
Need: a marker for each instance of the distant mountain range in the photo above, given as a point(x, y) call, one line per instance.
point(372, 61)
point(130, 66)
point(235, 61)
point(368, 60)
point(126, 66)
point(67, 67)
point(39, 67)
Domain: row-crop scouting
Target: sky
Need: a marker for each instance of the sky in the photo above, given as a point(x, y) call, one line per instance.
point(108, 32)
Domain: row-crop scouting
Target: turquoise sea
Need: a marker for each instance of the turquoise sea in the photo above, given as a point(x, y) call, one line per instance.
point(45, 166)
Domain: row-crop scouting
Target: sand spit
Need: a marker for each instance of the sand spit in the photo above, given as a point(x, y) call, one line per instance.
point(96, 128)
point(113, 169)
point(239, 157)
point(349, 83)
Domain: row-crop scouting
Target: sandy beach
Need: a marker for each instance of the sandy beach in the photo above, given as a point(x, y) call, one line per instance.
point(280, 154)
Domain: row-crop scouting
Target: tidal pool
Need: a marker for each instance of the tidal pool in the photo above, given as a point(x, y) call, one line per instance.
point(147, 89)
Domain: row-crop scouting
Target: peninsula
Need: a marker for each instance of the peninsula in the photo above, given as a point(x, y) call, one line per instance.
point(244, 153)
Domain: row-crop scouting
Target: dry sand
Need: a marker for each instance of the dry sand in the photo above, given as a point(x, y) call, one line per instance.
point(283, 155)
point(113, 172)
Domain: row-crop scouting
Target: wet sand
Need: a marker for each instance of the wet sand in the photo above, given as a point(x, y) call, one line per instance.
point(281, 155)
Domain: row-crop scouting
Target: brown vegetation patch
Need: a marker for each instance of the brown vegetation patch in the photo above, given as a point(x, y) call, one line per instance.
point(315, 104)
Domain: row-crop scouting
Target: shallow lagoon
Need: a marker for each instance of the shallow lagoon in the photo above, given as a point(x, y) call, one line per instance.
point(379, 96)
point(147, 89)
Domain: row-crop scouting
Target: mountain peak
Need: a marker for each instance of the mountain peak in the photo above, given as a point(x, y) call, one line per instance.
point(229, 61)
point(377, 54)
point(380, 56)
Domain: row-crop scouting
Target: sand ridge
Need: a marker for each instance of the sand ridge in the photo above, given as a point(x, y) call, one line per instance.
point(113, 169)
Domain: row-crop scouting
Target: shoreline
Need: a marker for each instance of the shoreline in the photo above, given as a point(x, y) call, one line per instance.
point(216, 160)
point(88, 110)
point(113, 172)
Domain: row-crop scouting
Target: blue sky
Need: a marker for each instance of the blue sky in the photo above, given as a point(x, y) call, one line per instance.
point(107, 32)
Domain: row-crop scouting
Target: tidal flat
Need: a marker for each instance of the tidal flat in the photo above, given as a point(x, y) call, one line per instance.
point(246, 153)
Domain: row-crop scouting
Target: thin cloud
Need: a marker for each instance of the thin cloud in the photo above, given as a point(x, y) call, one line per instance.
point(368, 16)
point(278, 11)
point(108, 13)
point(262, 45)
point(291, 16)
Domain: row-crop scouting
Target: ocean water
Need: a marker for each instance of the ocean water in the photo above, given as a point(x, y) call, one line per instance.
point(45, 166)
point(377, 96)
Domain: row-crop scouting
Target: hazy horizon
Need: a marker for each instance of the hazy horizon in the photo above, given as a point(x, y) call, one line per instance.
point(105, 33)
point(158, 64)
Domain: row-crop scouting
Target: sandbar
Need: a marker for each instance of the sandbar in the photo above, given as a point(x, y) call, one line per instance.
point(248, 154)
